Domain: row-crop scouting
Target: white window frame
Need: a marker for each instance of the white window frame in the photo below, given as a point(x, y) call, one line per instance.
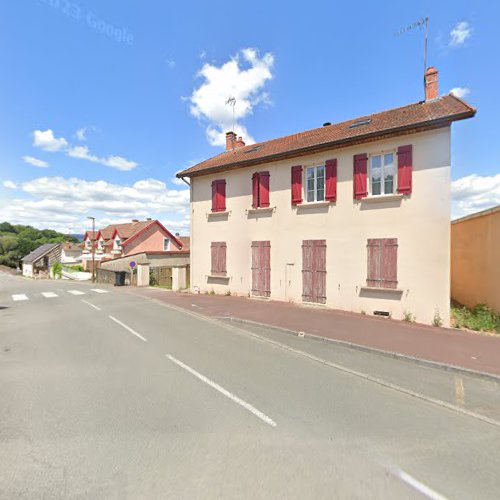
point(314, 167)
point(166, 242)
point(118, 244)
point(88, 243)
point(382, 179)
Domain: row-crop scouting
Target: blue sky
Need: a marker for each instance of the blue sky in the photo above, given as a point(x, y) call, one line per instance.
point(102, 102)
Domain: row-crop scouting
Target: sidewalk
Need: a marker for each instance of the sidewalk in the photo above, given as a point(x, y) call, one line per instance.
point(453, 347)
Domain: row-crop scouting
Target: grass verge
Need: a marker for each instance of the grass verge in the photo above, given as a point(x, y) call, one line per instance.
point(480, 318)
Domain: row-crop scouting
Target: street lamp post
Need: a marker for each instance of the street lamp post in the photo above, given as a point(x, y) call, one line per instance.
point(93, 247)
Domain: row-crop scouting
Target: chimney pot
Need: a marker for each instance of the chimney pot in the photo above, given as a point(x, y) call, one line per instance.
point(431, 83)
point(135, 220)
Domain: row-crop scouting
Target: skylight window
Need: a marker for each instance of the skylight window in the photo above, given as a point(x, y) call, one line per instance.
point(359, 123)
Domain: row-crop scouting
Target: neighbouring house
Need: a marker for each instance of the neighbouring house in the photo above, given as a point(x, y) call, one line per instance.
point(475, 259)
point(71, 253)
point(144, 242)
point(354, 215)
point(37, 264)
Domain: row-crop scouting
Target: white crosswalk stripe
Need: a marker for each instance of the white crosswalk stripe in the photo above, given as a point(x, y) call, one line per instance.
point(20, 296)
point(49, 295)
point(76, 292)
point(98, 290)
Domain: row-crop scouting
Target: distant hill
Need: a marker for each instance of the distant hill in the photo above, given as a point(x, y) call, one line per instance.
point(17, 240)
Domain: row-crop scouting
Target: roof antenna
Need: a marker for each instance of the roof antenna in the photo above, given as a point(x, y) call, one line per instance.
point(423, 22)
point(232, 102)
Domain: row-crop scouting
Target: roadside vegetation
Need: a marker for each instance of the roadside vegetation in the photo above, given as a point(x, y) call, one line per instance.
point(480, 318)
point(16, 241)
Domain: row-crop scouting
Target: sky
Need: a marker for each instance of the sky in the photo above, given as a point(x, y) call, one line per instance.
point(103, 102)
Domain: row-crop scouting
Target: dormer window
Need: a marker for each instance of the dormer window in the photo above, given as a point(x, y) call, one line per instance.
point(88, 243)
point(118, 243)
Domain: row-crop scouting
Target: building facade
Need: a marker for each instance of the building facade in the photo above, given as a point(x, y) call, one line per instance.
point(353, 216)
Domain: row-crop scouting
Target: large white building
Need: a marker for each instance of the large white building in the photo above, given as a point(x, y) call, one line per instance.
point(354, 215)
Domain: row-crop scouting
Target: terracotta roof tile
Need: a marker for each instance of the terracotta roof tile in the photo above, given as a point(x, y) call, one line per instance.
point(420, 115)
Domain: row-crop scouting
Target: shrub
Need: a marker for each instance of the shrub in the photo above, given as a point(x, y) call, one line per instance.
point(56, 270)
point(437, 321)
point(152, 278)
point(408, 316)
point(228, 293)
point(479, 318)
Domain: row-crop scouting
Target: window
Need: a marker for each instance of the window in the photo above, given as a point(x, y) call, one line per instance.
point(315, 184)
point(382, 174)
point(101, 244)
point(260, 190)
point(88, 243)
point(166, 244)
point(218, 249)
point(382, 263)
point(219, 196)
point(118, 243)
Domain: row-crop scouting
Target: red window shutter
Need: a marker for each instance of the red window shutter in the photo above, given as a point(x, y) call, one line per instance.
point(219, 196)
point(374, 252)
point(331, 180)
point(214, 196)
point(264, 189)
point(389, 263)
point(296, 185)
point(405, 168)
point(255, 190)
point(360, 176)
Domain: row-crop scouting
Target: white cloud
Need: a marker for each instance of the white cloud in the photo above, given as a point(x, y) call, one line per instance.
point(35, 161)
point(460, 33)
point(44, 139)
point(64, 203)
point(118, 162)
point(81, 134)
point(242, 77)
point(170, 63)
point(9, 184)
point(460, 92)
point(474, 193)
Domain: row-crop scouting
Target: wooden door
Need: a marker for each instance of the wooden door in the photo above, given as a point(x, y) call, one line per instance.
point(314, 271)
point(261, 268)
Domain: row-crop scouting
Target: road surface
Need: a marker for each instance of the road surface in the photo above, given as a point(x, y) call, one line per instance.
point(105, 394)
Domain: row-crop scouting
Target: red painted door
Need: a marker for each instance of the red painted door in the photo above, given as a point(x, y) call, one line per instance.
point(314, 271)
point(261, 268)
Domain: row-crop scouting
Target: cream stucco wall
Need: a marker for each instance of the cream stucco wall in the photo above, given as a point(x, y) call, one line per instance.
point(420, 222)
point(475, 259)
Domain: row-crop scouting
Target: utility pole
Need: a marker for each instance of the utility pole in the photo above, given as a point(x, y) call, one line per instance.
point(93, 247)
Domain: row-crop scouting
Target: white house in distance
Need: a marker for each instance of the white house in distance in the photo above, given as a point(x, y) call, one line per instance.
point(354, 215)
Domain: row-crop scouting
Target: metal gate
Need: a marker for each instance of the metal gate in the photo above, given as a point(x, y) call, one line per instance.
point(314, 271)
point(261, 268)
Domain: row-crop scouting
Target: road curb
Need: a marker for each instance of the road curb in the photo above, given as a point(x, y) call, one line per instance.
point(372, 350)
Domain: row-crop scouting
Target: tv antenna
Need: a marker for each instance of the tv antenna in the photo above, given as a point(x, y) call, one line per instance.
point(421, 23)
point(232, 102)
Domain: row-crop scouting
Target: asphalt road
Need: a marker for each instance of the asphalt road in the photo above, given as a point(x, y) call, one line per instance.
point(104, 394)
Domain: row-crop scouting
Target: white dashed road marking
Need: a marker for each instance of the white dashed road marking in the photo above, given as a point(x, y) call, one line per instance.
point(91, 305)
point(20, 296)
point(417, 485)
point(49, 295)
point(76, 292)
point(226, 393)
point(98, 290)
point(133, 332)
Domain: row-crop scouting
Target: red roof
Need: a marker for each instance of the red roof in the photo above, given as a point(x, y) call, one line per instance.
point(407, 119)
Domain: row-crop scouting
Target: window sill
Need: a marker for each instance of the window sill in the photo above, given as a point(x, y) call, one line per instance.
point(216, 215)
point(382, 197)
point(260, 210)
point(380, 289)
point(218, 277)
point(313, 204)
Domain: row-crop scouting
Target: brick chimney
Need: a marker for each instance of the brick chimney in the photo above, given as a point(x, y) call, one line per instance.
point(233, 142)
point(230, 140)
point(431, 83)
